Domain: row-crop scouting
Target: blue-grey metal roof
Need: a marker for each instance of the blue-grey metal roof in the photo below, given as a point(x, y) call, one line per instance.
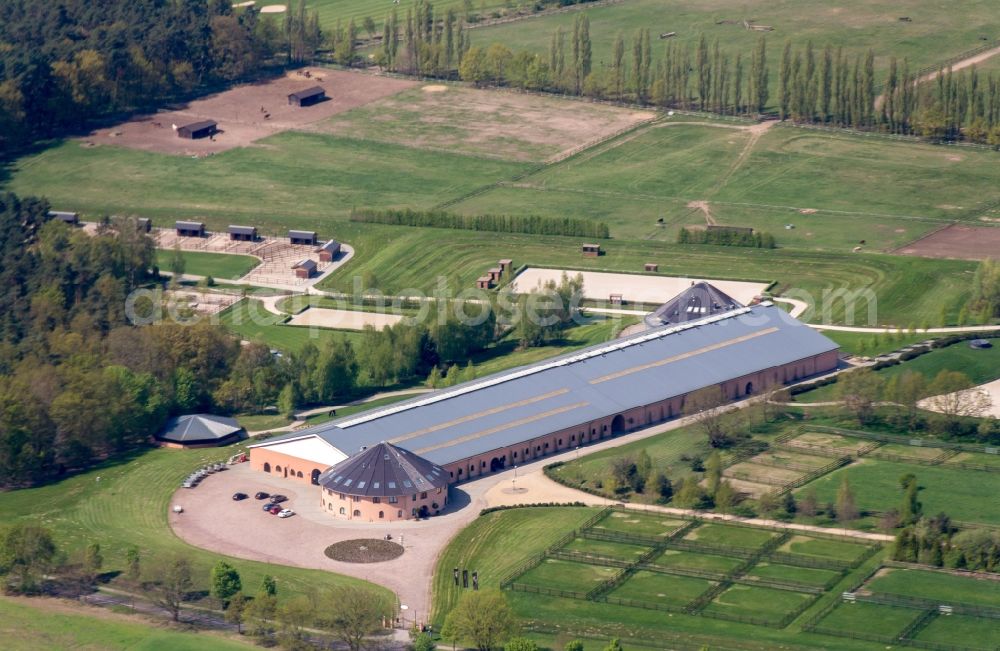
point(242, 230)
point(383, 471)
point(192, 428)
point(521, 404)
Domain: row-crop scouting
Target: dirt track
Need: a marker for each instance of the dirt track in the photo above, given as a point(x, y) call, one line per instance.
point(249, 112)
point(957, 242)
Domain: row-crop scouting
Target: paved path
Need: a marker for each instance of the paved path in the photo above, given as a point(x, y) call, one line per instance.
point(211, 520)
point(950, 330)
point(300, 417)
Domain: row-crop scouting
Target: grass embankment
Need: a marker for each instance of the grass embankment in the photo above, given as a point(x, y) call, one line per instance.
point(125, 503)
point(34, 624)
point(217, 265)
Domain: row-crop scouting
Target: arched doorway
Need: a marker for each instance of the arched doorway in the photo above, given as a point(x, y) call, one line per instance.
point(315, 477)
point(498, 463)
point(617, 425)
point(749, 388)
point(267, 467)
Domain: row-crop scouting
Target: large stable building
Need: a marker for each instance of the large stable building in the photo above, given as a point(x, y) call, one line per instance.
point(530, 412)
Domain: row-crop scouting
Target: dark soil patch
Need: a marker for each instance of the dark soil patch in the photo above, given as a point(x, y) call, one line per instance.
point(364, 550)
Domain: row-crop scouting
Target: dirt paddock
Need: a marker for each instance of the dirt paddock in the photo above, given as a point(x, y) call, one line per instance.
point(958, 242)
point(249, 112)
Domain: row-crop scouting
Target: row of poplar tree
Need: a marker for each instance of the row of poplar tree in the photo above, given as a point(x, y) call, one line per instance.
point(826, 86)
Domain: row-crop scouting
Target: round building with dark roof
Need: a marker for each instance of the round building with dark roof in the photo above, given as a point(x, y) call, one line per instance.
point(384, 482)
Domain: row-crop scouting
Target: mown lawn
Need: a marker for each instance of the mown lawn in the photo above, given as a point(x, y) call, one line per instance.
point(32, 625)
point(804, 575)
point(946, 588)
point(654, 588)
point(959, 493)
point(869, 618)
point(643, 524)
point(494, 544)
point(605, 548)
point(753, 601)
point(722, 534)
point(696, 561)
point(217, 265)
point(251, 321)
point(840, 550)
point(972, 632)
point(125, 503)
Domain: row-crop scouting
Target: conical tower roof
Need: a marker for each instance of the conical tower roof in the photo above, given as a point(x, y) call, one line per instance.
point(696, 302)
point(383, 470)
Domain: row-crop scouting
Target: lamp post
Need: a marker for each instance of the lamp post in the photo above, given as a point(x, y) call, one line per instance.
point(513, 482)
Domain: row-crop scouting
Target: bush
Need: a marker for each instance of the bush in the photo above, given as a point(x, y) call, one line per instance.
point(530, 224)
point(726, 237)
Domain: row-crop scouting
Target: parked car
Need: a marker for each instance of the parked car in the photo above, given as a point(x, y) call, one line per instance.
point(286, 513)
point(239, 496)
point(278, 499)
point(269, 506)
point(187, 484)
point(275, 510)
point(261, 495)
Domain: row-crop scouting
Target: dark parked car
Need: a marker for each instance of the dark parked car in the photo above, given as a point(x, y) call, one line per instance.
point(275, 510)
point(239, 496)
point(278, 499)
point(261, 495)
point(269, 506)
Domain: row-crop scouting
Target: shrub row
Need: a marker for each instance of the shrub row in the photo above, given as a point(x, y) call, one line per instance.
point(530, 224)
point(507, 507)
point(724, 237)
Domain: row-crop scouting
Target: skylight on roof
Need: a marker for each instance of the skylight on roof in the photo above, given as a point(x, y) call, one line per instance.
point(392, 484)
point(375, 484)
point(348, 482)
point(361, 484)
point(407, 483)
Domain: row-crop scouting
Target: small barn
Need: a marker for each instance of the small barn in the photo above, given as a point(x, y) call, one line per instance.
point(484, 282)
point(591, 250)
point(328, 251)
point(303, 237)
point(243, 233)
point(307, 97)
point(651, 266)
point(71, 218)
point(196, 130)
point(199, 431)
point(506, 265)
point(144, 224)
point(494, 274)
point(305, 269)
point(190, 229)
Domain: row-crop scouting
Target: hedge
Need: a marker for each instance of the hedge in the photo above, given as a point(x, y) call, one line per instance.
point(529, 224)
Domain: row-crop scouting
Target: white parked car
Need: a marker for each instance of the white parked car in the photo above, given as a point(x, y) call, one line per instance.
point(286, 513)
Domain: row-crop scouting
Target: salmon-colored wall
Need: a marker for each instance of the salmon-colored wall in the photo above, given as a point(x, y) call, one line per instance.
point(405, 507)
point(562, 440)
point(283, 465)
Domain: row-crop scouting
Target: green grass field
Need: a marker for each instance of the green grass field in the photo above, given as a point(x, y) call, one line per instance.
point(980, 365)
point(948, 588)
point(488, 545)
point(485, 546)
point(972, 632)
point(869, 618)
point(935, 33)
point(753, 601)
point(633, 181)
point(869, 345)
point(654, 588)
point(840, 550)
point(263, 185)
point(695, 561)
point(125, 503)
point(723, 534)
point(605, 548)
point(953, 491)
point(30, 625)
point(804, 575)
point(639, 524)
point(566, 575)
point(217, 265)
point(251, 321)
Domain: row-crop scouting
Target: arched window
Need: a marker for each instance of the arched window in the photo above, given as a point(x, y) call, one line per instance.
point(299, 474)
point(277, 469)
point(267, 467)
point(357, 513)
point(343, 511)
point(381, 515)
point(399, 514)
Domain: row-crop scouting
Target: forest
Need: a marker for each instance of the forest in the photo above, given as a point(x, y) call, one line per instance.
point(80, 383)
point(64, 64)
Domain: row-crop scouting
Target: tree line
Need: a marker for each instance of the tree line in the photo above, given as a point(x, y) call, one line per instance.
point(529, 224)
point(726, 237)
point(63, 65)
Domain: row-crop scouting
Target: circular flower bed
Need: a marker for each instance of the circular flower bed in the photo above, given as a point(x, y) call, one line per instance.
point(364, 550)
